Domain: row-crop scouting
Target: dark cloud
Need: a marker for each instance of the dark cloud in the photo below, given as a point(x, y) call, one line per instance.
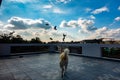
point(22, 23)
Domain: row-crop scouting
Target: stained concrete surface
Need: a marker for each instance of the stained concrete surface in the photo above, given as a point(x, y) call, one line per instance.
point(46, 67)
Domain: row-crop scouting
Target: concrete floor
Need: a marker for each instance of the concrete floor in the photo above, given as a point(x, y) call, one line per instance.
point(46, 67)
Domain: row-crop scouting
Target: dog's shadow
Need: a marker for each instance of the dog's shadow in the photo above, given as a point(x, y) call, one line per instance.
point(70, 75)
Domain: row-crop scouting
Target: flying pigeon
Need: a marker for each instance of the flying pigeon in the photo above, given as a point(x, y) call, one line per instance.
point(51, 38)
point(11, 33)
point(46, 24)
point(55, 27)
point(64, 37)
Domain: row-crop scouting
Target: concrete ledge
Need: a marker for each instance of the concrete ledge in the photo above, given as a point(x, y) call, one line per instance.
point(105, 58)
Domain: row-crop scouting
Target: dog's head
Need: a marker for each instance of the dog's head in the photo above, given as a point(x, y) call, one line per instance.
point(63, 49)
point(66, 51)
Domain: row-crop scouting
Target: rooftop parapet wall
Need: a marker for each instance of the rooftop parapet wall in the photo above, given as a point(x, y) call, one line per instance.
point(93, 50)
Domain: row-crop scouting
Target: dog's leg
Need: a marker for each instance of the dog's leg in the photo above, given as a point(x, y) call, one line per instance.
point(62, 69)
point(66, 66)
point(62, 72)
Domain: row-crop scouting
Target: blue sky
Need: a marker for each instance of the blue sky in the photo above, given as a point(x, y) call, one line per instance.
point(78, 19)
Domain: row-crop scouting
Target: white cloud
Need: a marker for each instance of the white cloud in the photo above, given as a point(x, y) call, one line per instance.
point(117, 18)
point(37, 5)
point(9, 26)
point(113, 33)
point(92, 17)
point(84, 24)
point(64, 24)
point(29, 29)
point(58, 10)
point(53, 9)
point(22, 23)
point(100, 10)
point(103, 32)
point(44, 35)
point(71, 23)
point(1, 25)
point(88, 9)
point(63, 1)
point(87, 30)
point(23, 1)
point(2, 29)
point(119, 8)
point(47, 6)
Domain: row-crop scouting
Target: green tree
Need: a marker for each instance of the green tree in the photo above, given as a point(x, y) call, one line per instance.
point(35, 40)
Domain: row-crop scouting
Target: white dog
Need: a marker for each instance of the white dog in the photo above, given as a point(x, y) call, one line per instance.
point(64, 61)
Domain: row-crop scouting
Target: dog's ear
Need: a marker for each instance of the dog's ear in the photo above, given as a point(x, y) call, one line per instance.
point(58, 47)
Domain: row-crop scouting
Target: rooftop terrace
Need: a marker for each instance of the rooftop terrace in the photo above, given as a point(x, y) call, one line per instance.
point(46, 67)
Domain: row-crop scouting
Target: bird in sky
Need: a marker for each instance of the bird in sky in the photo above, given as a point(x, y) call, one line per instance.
point(55, 27)
point(46, 24)
point(51, 38)
point(11, 33)
point(64, 37)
